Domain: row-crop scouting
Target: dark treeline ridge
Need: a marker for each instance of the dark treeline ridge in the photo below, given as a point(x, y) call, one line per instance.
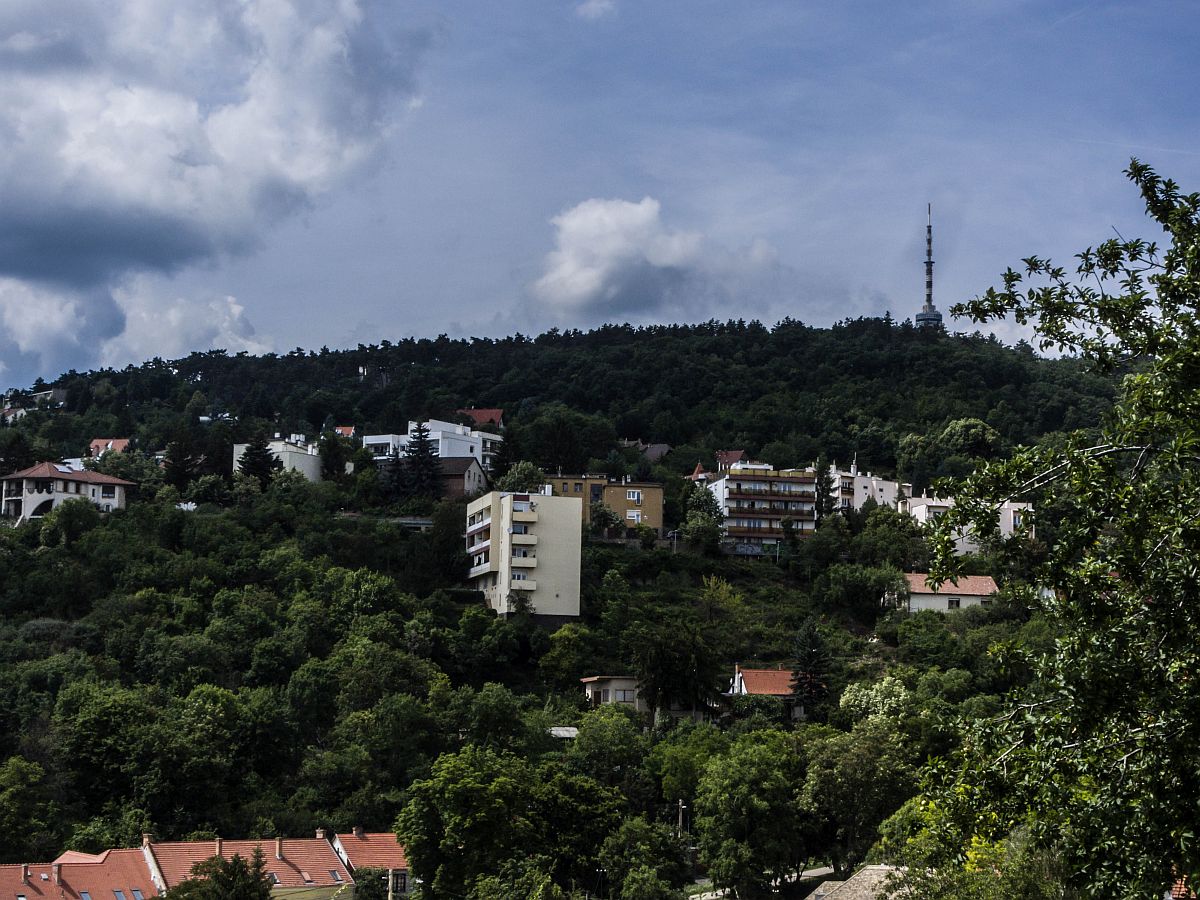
point(787, 393)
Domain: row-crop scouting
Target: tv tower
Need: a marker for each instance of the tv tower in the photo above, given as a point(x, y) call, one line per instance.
point(929, 317)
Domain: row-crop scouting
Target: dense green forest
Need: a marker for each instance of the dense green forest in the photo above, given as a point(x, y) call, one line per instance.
point(276, 660)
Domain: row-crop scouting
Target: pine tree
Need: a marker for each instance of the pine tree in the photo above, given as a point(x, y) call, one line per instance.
point(423, 472)
point(180, 465)
point(259, 462)
point(810, 677)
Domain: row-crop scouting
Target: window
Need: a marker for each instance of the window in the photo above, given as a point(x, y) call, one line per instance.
point(108, 490)
point(20, 897)
point(520, 529)
point(604, 695)
point(564, 487)
point(120, 895)
point(399, 882)
point(333, 873)
point(633, 496)
point(625, 696)
point(519, 576)
point(137, 895)
point(634, 515)
point(579, 487)
point(274, 878)
point(953, 603)
point(84, 895)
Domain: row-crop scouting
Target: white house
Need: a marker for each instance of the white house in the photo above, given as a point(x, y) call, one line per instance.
point(33, 492)
point(965, 591)
point(1013, 515)
point(448, 439)
point(294, 452)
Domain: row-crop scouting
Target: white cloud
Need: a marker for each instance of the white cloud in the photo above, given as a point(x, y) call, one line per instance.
point(596, 9)
point(617, 258)
point(173, 328)
point(138, 136)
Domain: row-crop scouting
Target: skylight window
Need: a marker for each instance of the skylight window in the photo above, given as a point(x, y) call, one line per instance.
point(137, 895)
point(335, 875)
point(84, 895)
point(119, 894)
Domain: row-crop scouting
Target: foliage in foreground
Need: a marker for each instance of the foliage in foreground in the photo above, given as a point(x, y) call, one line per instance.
point(1094, 762)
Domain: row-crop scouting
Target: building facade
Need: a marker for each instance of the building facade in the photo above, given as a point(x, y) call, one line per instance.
point(756, 500)
point(448, 440)
point(634, 502)
point(33, 492)
point(1012, 517)
point(964, 592)
point(526, 548)
point(295, 453)
point(361, 849)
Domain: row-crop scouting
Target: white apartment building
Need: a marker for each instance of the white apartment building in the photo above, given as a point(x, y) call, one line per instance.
point(294, 452)
point(756, 499)
point(526, 546)
point(1013, 515)
point(853, 488)
point(448, 439)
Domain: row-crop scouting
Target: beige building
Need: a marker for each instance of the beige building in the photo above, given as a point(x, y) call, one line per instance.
point(635, 502)
point(294, 453)
point(33, 492)
point(526, 547)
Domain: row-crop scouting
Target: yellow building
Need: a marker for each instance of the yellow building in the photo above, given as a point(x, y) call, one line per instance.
point(526, 547)
point(634, 502)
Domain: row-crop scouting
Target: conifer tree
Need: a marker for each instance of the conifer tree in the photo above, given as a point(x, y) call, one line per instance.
point(422, 471)
point(259, 462)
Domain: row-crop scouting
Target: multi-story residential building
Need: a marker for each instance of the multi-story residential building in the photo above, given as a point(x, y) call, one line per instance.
point(462, 476)
point(852, 488)
point(295, 453)
point(634, 502)
point(447, 438)
point(756, 500)
point(33, 492)
point(526, 547)
point(1013, 515)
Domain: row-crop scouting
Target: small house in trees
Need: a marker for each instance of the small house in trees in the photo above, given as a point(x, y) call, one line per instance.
point(462, 476)
point(776, 683)
point(865, 884)
point(306, 868)
point(1012, 516)
point(33, 492)
point(375, 850)
point(483, 418)
point(601, 690)
point(119, 874)
point(966, 590)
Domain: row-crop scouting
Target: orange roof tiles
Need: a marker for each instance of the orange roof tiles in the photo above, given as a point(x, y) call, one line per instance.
point(81, 876)
point(51, 470)
point(483, 416)
point(373, 850)
point(306, 861)
point(103, 445)
point(767, 682)
point(976, 585)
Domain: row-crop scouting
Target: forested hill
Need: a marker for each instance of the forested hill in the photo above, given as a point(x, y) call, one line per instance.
point(785, 393)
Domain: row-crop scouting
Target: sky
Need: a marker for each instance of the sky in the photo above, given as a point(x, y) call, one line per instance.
point(261, 175)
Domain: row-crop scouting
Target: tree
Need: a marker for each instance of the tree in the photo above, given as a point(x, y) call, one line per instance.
point(603, 518)
point(180, 465)
point(259, 462)
point(811, 672)
point(218, 878)
point(422, 471)
point(702, 523)
point(1090, 757)
point(826, 499)
point(751, 830)
point(521, 477)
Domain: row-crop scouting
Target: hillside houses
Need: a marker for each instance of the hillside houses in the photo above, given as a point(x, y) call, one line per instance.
point(317, 868)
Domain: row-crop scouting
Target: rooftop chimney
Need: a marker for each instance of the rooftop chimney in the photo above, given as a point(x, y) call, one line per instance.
point(24, 873)
point(320, 834)
point(358, 831)
point(279, 848)
point(57, 869)
point(147, 839)
point(218, 850)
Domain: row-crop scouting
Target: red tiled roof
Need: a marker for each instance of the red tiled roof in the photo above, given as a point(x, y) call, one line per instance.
point(483, 416)
point(726, 458)
point(975, 585)
point(373, 850)
point(50, 470)
point(344, 430)
point(101, 445)
point(301, 856)
point(767, 682)
point(98, 876)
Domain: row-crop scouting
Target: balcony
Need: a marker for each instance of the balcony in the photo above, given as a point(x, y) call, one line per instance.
point(753, 531)
point(479, 526)
point(529, 516)
point(524, 562)
point(524, 584)
point(480, 546)
point(754, 493)
point(524, 540)
point(481, 569)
